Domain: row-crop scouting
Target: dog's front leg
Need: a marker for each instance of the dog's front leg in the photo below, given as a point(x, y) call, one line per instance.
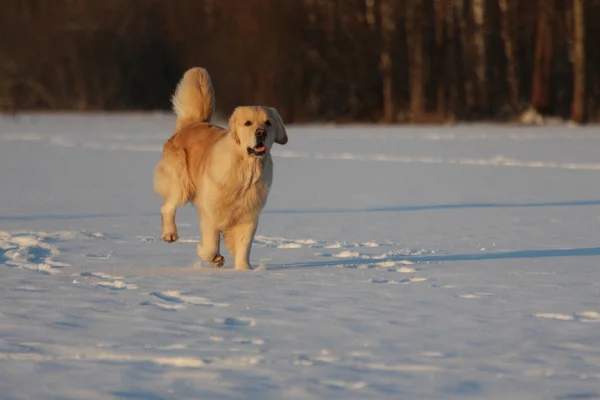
point(208, 249)
point(243, 234)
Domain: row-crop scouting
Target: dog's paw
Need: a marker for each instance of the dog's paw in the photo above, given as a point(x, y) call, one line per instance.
point(218, 261)
point(169, 237)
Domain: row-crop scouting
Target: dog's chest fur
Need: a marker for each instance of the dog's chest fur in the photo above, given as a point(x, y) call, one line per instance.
point(243, 192)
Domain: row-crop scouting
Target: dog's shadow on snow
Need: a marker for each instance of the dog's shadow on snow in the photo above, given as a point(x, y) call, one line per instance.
point(521, 254)
point(450, 206)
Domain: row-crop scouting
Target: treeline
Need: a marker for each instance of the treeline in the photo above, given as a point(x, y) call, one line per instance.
point(315, 60)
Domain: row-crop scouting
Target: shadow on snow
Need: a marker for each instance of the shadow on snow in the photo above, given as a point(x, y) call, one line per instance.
point(435, 207)
point(521, 254)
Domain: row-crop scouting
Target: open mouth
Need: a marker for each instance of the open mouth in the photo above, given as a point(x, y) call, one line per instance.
point(258, 151)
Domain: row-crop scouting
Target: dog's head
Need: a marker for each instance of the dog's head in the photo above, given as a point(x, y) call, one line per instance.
point(256, 128)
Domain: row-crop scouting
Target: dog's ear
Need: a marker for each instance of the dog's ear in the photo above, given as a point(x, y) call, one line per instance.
point(232, 125)
point(280, 132)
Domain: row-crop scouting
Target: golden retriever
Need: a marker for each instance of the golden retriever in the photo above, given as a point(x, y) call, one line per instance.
point(225, 173)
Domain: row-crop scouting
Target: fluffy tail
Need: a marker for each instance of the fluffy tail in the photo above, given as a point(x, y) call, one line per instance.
point(194, 98)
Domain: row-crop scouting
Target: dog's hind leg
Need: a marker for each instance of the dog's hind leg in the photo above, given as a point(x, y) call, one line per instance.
point(167, 216)
point(171, 181)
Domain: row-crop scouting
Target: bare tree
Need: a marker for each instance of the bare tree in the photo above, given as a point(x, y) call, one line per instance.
point(414, 36)
point(440, 9)
point(466, 44)
point(452, 80)
point(480, 50)
point(544, 51)
point(350, 60)
point(508, 8)
point(388, 27)
point(578, 110)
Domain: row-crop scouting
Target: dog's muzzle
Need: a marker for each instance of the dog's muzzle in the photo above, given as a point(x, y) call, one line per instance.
point(259, 149)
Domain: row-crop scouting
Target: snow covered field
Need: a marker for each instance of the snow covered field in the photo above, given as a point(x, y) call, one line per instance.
point(396, 263)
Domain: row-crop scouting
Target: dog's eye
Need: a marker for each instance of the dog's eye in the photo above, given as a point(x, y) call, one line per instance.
point(268, 123)
point(248, 123)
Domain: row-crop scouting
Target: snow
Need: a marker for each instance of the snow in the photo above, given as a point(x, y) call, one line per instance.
point(393, 262)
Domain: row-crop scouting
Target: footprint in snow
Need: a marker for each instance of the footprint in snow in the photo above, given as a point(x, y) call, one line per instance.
point(404, 270)
point(324, 357)
point(588, 316)
point(108, 281)
point(583, 316)
point(347, 254)
point(339, 384)
point(413, 279)
point(382, 281)
point(477, 295)
point(100, 275)
point(404, 281)
point(238, 340)
point(254, 341)
point(287, 243)
point(235, 321)
point(174, 296)
point(390, 264)
point(116, 285)
point(100, 256)
point(34, 251)
point(164, 306)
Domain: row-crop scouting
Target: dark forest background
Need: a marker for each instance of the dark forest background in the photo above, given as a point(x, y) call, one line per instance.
point(315, 60)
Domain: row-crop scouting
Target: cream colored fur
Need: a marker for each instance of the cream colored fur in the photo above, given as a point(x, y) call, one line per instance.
point(212, 167)
point(194, 98)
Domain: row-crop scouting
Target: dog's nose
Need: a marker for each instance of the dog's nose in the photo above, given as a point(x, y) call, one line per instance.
point(260, 132)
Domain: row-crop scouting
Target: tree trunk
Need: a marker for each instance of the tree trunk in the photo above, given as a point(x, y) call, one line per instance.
point(507, 8)
point(542, 67)
point(414, 36)
point(388, 28)
point(452, 81)
point(480, 51)
point(370, 12)
point(578, 112)
point(440, 56)
point(467, 59)
point(209, 14)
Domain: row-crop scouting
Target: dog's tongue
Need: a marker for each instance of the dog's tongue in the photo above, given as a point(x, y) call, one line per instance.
point(260, 149)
